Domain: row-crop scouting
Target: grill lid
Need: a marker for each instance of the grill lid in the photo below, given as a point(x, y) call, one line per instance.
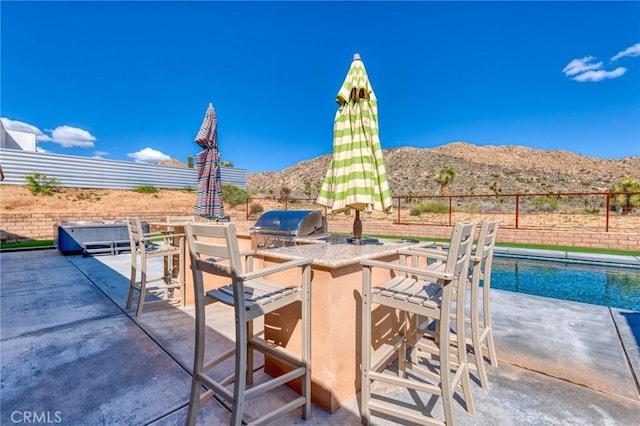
point(291, 223)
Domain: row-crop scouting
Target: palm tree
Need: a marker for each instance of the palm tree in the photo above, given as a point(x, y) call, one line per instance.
point(444, 178)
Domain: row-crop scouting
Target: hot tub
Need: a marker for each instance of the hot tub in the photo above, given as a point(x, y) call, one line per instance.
point(93, 236)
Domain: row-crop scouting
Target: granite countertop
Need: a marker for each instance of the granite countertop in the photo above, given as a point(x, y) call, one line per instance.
point(335, 255)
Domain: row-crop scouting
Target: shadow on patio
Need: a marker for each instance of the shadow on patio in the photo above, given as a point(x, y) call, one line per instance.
point(71, 354)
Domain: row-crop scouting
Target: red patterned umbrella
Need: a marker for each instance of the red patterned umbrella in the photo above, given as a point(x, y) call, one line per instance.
point(209, 201)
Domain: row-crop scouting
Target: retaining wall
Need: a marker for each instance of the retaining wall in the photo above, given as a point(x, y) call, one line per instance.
point(557, 237)
point(42, 226)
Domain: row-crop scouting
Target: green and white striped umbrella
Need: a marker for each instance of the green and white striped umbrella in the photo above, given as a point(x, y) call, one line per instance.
point(356, 178)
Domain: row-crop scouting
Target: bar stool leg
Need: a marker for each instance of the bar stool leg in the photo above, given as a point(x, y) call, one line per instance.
point(198, 366)
point(181, 274)
point(486, 312)
point(241, 370)
point(445, 368)
point(143, 287)
point(475, 338)
point(132, 282)
point(306, 340)
point(365, 391)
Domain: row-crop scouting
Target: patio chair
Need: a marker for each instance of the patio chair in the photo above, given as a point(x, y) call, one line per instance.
point(214, 250)
point(417, 292)
point(147, 246)
point(481, 338)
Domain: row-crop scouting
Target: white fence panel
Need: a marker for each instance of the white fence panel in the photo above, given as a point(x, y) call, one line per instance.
point(83, 172)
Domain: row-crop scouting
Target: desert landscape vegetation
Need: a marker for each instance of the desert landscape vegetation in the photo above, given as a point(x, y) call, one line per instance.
point(485, 179)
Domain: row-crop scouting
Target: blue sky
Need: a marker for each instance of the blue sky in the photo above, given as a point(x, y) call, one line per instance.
point(131, 80)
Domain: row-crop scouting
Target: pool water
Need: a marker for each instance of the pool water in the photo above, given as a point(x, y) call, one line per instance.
point(615, 287)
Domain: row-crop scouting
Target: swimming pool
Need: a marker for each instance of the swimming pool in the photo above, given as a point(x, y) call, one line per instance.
point(616, 287)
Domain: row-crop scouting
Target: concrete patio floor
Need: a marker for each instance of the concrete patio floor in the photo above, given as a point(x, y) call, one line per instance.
point(72, 355)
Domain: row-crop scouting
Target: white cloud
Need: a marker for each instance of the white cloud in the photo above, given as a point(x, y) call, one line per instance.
point(100, 155)
point(600, 75)
point(584, 69)
point(577, 66)
point(69, 137)
point(66, 136)
point(629, 51)
point(148, 155)
point(24, 127)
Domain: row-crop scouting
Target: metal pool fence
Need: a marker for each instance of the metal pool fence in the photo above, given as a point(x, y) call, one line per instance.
point(589, 211)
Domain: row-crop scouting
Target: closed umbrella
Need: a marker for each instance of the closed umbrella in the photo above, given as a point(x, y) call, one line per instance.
point(356, 178)
point(209, 200)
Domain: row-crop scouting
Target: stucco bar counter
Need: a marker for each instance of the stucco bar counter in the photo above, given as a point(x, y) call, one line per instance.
point(336, 286)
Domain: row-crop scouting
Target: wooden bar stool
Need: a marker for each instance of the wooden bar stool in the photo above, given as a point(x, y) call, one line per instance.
point(478, 315)
point(214, 250)
point(481, 331)
point(146, 246)
point(426, 293)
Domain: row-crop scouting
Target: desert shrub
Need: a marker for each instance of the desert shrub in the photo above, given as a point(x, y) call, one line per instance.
point(146, 189)
point(472, 206)
point(415, 212)
point(431, 207)
point(256, 208)
point(88, 196)
point(38, 183)
point(234, 195)
point(545, 204)
point(285, 193)
point(626, 203)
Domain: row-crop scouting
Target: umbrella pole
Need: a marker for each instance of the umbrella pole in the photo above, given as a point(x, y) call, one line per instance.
point(357, 229)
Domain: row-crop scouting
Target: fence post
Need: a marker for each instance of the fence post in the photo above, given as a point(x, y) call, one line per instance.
point(450, 211)
point(246, 209)
point(517, 209)
point(606, 224)
point(398, 209)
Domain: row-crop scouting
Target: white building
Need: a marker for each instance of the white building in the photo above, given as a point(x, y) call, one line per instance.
point(14, 139)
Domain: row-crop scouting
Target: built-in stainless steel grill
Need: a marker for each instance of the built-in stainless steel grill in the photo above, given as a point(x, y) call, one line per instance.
point(280, 228)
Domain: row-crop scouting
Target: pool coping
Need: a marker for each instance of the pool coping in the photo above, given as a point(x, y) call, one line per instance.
point(570, 257)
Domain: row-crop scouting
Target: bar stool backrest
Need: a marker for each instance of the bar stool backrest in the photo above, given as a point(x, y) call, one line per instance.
point(460, 249)
point(178, 218)
point(485, 247)
point(217, 242)
point(136, 236)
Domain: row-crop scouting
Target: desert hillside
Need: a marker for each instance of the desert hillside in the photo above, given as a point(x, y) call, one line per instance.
point(479, 170)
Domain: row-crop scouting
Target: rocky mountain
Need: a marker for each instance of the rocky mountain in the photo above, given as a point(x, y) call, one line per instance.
point(479, 170)
point(171, 162)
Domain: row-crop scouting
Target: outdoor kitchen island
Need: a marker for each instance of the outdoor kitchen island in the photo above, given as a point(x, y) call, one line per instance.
point(336, 286)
